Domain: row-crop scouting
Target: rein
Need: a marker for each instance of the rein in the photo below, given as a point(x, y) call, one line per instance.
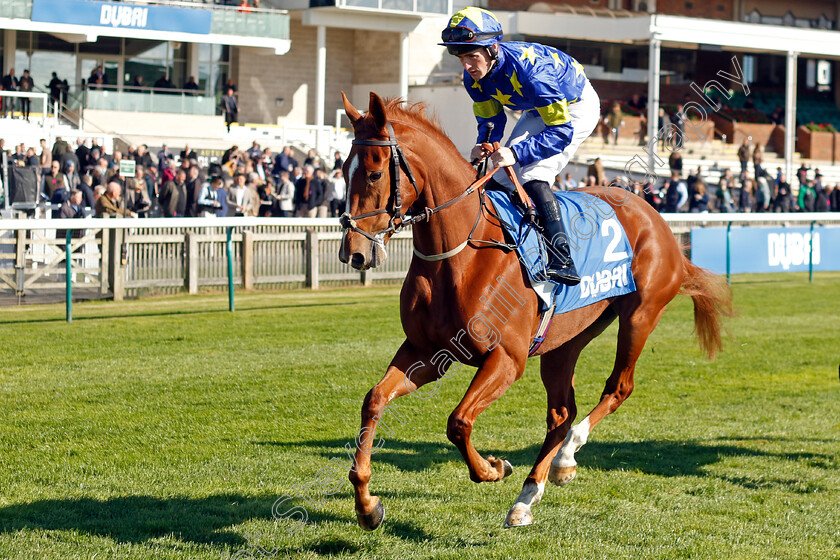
point(399, 161)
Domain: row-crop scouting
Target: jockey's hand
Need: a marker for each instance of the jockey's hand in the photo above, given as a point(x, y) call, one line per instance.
point(503, 157)
point(477, 153)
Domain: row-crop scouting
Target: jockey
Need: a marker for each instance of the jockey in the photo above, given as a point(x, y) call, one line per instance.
point(560, 110)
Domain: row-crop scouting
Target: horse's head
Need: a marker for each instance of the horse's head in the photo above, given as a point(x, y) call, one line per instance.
point(380, 187)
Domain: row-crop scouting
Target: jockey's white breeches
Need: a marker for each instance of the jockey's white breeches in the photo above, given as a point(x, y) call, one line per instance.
point(584, 116)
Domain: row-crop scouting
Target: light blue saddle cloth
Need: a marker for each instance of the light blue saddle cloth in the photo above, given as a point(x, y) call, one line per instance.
point(599, 246)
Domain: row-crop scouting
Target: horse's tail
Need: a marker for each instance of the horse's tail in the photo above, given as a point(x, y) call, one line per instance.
point(712, 298)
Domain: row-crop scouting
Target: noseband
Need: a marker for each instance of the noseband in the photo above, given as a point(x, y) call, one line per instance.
point(398, 161)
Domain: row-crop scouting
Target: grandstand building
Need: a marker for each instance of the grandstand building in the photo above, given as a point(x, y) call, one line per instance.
point(290, 58)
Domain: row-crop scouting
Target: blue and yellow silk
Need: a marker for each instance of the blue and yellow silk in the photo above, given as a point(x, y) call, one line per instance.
point(529, 77)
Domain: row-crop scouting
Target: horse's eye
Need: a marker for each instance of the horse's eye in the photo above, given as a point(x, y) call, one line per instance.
point(375, 176)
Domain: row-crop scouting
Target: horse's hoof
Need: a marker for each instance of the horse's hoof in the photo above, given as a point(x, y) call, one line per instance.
point(371, 521)
point(562, 475)
point(519, 516)
point(507, 468)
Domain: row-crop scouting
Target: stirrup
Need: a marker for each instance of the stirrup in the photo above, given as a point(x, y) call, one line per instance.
point(563, 274)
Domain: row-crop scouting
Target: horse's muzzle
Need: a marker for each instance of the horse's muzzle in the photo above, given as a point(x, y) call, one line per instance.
point(361, 253)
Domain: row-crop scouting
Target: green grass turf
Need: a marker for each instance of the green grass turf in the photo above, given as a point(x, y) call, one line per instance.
point(167, 428)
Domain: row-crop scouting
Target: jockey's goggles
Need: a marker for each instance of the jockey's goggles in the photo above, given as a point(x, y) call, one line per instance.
point(464, 35)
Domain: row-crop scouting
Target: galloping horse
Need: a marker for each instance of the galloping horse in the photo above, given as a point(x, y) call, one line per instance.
point(403, 169)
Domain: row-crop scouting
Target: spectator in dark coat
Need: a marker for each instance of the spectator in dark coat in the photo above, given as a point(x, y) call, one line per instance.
point(173, 196)
point(821, 203)
point(745, 197)
point(676, 193)
point(188, 153)
point(26, 84)
point(230, 108)
point(782, 200)
point(310, 193)
point(699, 200)
point(285, 162)
point(86, 188)
point(191, 85)
point(55, 88)
point(82, 155)
point(59, 197)
point(193, 189)
point(59, 147)
point(72, 208)
point(834, 199)
point(9, 83)
point(143, 157)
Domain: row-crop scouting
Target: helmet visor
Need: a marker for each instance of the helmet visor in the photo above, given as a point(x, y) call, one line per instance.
point(463, 35)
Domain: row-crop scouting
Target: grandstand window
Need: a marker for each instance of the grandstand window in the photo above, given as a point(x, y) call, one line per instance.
point(213, 66)
point(153, 60)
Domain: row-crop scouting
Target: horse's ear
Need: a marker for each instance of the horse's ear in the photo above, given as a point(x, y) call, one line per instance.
point(377, 111)
point(352, 113)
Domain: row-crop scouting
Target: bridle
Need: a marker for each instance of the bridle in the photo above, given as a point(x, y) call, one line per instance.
point(399, 161)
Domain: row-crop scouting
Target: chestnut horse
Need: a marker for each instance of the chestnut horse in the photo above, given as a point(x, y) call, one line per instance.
point(403, 169)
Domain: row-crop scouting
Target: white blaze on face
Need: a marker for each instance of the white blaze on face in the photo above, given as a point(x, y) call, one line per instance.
point(354, 165)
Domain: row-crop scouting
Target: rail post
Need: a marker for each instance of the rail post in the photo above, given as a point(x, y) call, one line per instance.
point(229, 249)
point(68, 281)
point(247, 256)
point(117, 270)
point(811, 253)
point(20, 262)
point(728, 252)
point(191, 241)
point(312, 259)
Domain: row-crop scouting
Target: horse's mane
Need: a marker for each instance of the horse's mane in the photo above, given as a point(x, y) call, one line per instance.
point(416, 115)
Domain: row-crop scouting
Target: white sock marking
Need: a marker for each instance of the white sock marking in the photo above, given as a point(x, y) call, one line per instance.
point(575, 439)
point(531, 494)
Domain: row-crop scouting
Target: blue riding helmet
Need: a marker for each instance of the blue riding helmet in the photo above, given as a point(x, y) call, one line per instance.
point(470, 29)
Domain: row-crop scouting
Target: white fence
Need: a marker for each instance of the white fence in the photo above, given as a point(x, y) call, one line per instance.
point(128, 258)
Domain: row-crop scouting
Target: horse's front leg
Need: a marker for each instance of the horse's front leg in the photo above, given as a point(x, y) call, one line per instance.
point(494, 376)
point(409, 370)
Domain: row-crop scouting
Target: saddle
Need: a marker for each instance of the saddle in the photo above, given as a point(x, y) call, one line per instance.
point(598, 243)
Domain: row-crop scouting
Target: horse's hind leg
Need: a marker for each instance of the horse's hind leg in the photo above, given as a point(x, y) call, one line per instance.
point(636, 322)
point(557, 369)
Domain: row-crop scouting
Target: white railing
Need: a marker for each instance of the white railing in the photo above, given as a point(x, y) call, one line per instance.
point(437, 7)
point(129, 257)
point(6, 96)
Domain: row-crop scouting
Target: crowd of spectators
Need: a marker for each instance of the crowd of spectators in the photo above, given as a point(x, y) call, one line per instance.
point(760, 191)
point(83, 179)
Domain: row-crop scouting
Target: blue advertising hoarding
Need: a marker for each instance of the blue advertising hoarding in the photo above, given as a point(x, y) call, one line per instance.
point(123, 16)
point(766, 249)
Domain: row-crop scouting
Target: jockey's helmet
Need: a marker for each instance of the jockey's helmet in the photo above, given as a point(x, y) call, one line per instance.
point(470, 29)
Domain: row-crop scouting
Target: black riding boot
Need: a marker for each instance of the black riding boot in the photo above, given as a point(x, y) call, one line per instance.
point(560, 267)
